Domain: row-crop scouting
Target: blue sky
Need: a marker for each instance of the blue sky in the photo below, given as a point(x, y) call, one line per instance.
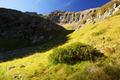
point(47, 6)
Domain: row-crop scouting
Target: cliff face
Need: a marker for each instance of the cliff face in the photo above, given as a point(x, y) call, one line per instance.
point(115, 0)
point(61, 17)
point(87, 16)
point(17, 25)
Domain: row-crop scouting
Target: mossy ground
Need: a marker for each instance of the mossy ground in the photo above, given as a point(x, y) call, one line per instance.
point(104, 35)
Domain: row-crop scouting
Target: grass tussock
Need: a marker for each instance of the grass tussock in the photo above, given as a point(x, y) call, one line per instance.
point(73, 53)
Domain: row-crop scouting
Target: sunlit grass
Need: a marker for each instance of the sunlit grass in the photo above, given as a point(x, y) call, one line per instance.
point(71, 26)
point(104, 35)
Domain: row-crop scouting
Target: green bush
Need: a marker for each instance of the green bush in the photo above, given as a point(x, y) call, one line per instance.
point(74, 53)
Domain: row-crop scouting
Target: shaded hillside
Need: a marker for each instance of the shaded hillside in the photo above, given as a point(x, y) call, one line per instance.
point(18, 29)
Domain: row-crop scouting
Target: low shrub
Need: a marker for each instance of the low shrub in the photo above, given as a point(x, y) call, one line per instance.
point(74, 53)
point(99, 32)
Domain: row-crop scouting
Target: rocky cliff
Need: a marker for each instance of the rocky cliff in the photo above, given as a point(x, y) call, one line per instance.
point(87, 16)
point(115, 0)
point(21, 26)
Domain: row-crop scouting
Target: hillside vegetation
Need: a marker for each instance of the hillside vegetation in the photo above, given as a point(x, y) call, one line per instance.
point(18, 29)
point(103, 36)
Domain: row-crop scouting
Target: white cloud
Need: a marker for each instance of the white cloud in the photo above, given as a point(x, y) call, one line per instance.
point(68, 3)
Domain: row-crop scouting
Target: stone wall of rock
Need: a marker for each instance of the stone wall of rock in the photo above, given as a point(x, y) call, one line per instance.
point(115, 0)
point(69, 17)
point(87, 16)
point(17, 25)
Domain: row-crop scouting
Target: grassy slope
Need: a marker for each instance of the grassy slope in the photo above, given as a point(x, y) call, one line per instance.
point(104, 35)
point(70, 26)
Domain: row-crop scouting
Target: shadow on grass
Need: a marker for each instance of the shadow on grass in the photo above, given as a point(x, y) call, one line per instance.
point(39, 47)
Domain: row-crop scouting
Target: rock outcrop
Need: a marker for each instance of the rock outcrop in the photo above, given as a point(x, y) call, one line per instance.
point(115, 0)
point(62, 17)
point(87, 16)
point(17, 25)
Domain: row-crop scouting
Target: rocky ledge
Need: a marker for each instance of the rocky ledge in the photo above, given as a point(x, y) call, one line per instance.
point(87, 16)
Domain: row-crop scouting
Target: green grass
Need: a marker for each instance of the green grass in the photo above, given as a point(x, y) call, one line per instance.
point(70, 26)
point(103, 35)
